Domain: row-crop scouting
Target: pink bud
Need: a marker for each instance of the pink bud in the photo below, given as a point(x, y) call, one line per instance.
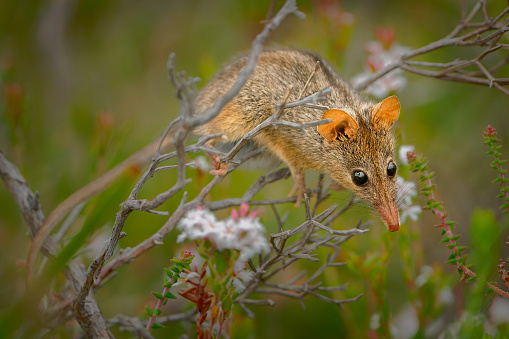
point(411, 156)
point(386, 36)
point(235, 215)
point(490, 132)
point(244, 209)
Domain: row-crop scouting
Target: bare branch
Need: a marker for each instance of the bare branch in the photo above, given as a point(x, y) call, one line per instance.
point(485, 34)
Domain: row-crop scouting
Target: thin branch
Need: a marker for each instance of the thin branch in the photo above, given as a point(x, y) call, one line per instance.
point(485, 34)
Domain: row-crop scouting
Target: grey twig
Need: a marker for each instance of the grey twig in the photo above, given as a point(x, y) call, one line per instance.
point(487, 34)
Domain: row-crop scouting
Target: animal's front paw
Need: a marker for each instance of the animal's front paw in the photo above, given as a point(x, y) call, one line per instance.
point(217, 167)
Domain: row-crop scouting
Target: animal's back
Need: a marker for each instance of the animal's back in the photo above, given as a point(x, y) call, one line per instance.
point(276, 72)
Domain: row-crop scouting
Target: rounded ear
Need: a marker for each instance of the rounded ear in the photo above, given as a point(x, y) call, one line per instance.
point(342, 125)
point(385, 113)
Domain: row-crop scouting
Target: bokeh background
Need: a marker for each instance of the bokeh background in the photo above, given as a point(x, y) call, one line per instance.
point(83, 85)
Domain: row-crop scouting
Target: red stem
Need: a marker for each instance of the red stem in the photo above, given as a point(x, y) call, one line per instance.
point(159, 304)
point(443, 223)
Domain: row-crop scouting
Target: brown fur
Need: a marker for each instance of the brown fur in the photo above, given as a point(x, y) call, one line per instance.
point(277, 70)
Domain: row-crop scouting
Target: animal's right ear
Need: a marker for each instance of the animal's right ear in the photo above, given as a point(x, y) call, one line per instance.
point(342, 125)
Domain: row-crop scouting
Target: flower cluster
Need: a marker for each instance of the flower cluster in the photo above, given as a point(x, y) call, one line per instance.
point(242, 231)
point(382, 53)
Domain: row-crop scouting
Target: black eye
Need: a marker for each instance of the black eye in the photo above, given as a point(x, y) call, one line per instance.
point(359, 177)
point(391, 169)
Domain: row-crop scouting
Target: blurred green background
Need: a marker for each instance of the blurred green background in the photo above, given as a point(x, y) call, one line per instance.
point(83, 85)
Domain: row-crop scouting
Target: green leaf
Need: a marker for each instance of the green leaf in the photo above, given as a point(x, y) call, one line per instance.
point(221, 262)
point(445, 239)
point(157, 311)
point(175, 269)
point(167, 284)
point(235, 295)
point(227, 304)
point(158, 295)
point(156, 326)
point(169, 272)
point(169, 295)
point(217, 288)
point(150, 311)
point(471, 279)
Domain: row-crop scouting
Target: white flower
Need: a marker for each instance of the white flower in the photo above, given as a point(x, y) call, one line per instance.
point(242, 277)
point(423, 277)
point(202, 163)
point(197, 224)
point(184, 278)
point(411, 212)
point(403, 150)
point(245, 234)
point(378, 59)
point(374, 322)
point(406, 191)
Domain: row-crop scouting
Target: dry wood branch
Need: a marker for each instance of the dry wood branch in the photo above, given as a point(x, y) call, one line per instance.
point(283, 256)
point(138, 159)
point(137, 327)
point(484, 34)
point(91, 318)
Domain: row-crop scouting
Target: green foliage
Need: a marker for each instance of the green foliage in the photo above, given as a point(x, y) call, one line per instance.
point(492, 141)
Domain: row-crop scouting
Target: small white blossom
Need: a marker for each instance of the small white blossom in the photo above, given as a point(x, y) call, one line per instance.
point(238, 285)
point(411, 212)
point(197, 224)
point(406, 191)
point(202, 163)
point(184, 278)
point(374, 322)
point(423, 277)
point(403, 150)
point(378, 59)
point(242, 277)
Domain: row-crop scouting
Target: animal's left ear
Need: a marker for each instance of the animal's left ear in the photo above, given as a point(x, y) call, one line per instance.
point(385, 113)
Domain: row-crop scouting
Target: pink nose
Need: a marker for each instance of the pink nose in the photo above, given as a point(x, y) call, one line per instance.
point(394, 228)
point(389, 215)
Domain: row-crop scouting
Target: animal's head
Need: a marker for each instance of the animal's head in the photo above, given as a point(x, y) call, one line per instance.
point(362, 157)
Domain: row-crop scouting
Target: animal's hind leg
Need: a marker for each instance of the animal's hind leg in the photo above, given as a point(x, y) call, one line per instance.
point(299, 185)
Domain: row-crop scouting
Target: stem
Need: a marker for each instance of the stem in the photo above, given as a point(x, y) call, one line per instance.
point(160, 303)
